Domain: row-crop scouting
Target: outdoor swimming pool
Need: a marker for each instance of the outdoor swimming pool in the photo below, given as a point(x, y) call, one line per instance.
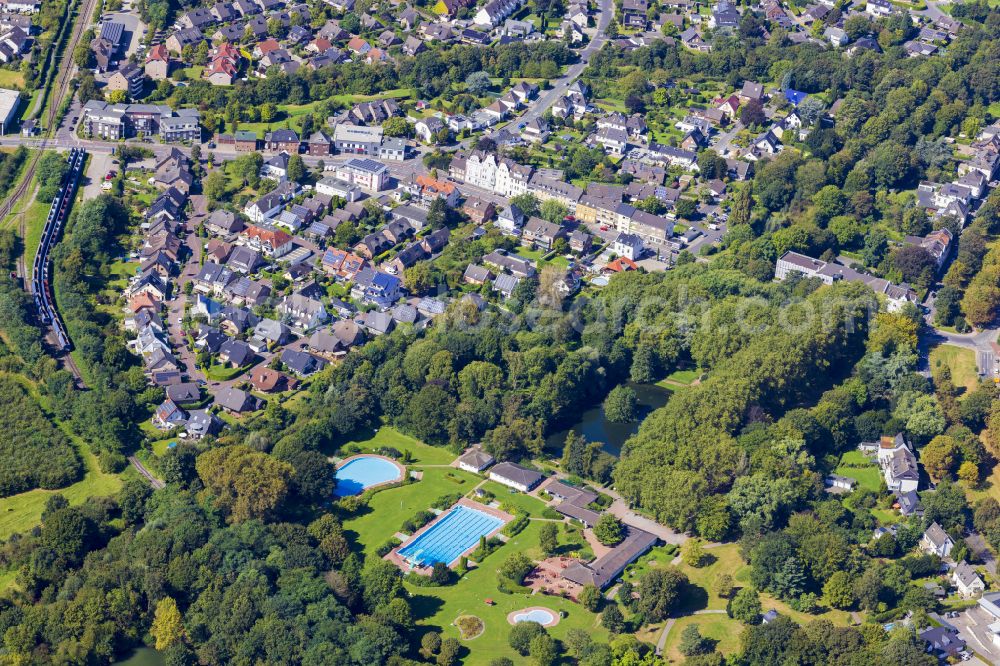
point(454, 533)
point(363, 472)
point(540, 615)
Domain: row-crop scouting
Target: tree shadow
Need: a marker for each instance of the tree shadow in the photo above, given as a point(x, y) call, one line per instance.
point(424, 606)
point(693, 598)
point(708, 559)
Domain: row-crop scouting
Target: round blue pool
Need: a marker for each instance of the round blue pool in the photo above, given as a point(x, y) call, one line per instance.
point(362, 472)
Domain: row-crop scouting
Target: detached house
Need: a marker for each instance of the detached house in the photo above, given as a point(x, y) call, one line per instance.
point(968, 583)
point(936, 541)
point(899, 465)
point(303, 313)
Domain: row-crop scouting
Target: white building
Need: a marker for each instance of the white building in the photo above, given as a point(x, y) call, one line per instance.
point(367, 174)
point(9, 101)
point(792, 262)
point(628, 246)
point(475, 460)
point(515, 476)
point(936, 541)
point(968, 583)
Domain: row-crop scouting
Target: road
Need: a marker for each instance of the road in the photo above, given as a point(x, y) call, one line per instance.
point(549, 97)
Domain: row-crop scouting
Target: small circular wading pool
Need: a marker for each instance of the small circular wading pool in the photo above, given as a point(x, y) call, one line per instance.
point(543, 616)
point(357, 474)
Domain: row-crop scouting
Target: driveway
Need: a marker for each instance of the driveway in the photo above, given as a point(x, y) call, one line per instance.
point(972, 626)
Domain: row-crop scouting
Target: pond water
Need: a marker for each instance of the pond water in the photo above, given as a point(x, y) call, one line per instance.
point(596, 428)
point(144, 656)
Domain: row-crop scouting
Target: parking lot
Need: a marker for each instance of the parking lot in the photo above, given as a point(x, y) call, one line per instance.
point(972, 626)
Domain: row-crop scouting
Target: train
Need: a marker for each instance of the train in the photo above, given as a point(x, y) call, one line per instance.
point(41, 285)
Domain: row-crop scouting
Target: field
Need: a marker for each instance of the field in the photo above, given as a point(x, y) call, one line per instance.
point(961, 362)
point(11, 79)
point(857, 466)
point(422, 454)
point(715, 626)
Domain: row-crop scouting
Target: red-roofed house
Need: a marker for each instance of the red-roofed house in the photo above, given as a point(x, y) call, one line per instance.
point(621, 265)
point(158, 62)
point(728, 106)
point(272, 242)
point(359, 45)
point(224, 65)
point(267, 46)
point(319, 45)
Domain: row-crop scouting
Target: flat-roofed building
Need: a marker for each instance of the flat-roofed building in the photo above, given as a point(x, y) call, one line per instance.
point(9, 101)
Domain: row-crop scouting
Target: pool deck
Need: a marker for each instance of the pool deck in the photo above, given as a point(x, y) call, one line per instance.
point(402, 470)
point(394, 556)
point(551, 623)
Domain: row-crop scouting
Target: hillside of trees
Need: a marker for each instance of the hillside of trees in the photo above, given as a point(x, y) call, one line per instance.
point(33, 452)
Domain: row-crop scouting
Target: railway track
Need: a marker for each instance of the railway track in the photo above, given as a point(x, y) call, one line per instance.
point(61, 88)
point(41, 286)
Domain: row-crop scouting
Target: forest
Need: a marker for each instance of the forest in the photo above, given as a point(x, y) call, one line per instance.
point(33, 452)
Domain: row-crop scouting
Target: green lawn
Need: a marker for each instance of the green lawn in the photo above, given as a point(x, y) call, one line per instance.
point(718, 627)
point(11, 79)
point(532, 506)
point(223, 373)
point(423, 454)
point(857, 466)
point(388, 509)
point(437, 608)
point(961, 362)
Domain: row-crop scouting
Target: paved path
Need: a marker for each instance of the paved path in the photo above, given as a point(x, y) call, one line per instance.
point(663, 635)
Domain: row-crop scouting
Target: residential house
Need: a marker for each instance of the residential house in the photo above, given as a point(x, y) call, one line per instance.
point(968, 583)
point(236, 401)
point(302, 312)
point(936, 541)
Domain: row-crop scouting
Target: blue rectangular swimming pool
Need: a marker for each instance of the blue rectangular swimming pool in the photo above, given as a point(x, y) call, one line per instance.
point(454, 533)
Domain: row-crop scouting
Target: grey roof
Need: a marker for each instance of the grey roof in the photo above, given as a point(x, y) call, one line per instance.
point(572, 494)
point(936, 535)
point(603, 571)
point(966, 574)
point(476, 458)
point(517, 474)
point(235, 400)
point(183, 392)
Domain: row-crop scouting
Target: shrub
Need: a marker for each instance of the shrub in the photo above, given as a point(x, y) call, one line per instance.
point(515, 526)
point(384, 549)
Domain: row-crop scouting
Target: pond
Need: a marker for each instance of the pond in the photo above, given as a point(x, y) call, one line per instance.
point(596, 428)
point(144, 656)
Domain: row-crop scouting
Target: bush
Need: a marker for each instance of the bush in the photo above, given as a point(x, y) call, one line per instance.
point(411, 525)
point(384, 549)
point(515, 526)
point(446, 501)
point(521, 635)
